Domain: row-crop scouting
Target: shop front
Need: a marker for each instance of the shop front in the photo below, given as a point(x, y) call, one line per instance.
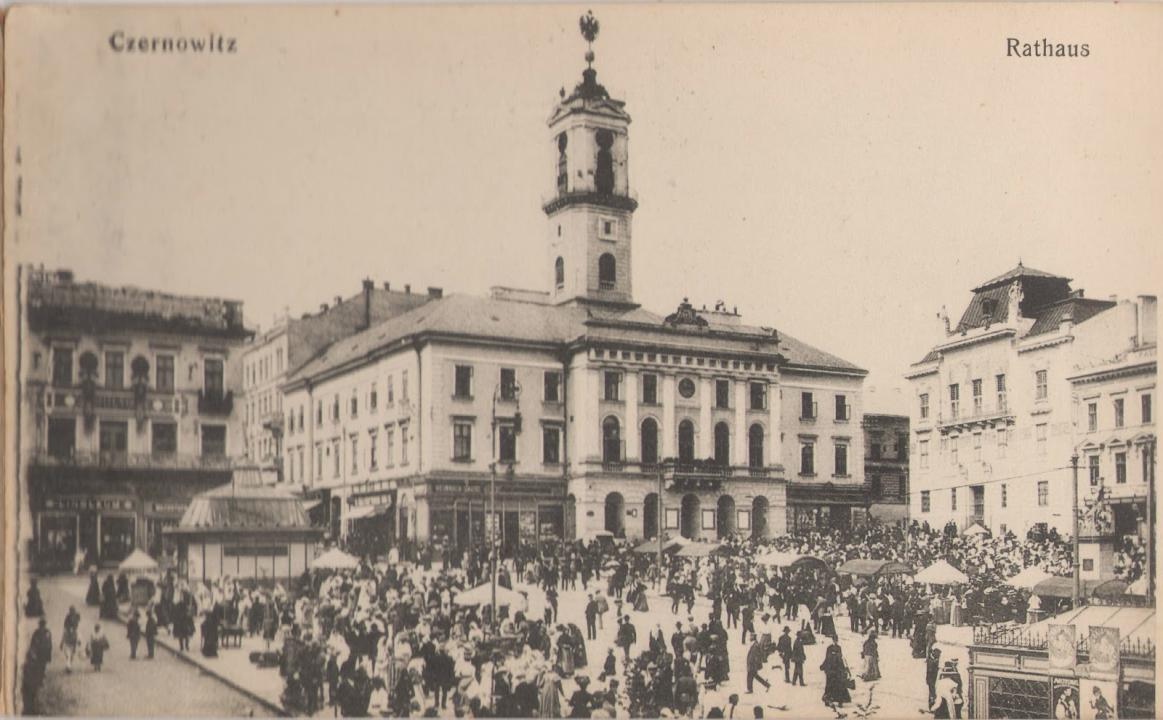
point(371, 521)
point(825, 506)
point(460, 512)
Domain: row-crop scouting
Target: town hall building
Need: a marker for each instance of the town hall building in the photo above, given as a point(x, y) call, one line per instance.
point(595, 414)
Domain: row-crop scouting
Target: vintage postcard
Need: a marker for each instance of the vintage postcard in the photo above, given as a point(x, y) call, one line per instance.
point(546, 360)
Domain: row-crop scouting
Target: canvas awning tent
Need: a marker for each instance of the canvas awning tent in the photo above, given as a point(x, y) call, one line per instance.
point(365, 511)
point(1111, 589)
point(789, 559)
point(975, 529)
point(869, 568)
point(651, 546)
point(334, 559)
point(483, 595)
point(1063, 587)
point(138, 563)
point(1029, 577)
point(941, 573)
point(697, 549)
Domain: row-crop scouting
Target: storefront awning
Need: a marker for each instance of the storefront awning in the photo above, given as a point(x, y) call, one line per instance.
point(366, 511)
point(868, 568)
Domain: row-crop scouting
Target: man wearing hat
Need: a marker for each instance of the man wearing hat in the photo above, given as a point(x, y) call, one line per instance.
point(592, 619)
point(627, 636)
point(932, 668)
point(784, 648)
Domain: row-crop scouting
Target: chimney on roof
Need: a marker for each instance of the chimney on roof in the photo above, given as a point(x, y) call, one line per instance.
point(435, 292)
point(387, 286)
point(368, 286)
point(1148, 316)
point(408, 289)
point(322, 307)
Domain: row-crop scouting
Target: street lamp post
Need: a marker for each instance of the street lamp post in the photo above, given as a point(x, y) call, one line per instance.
point(494, 556)
point(1076, 592)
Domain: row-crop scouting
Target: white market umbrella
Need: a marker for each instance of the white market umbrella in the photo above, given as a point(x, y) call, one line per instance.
point(976, 529)
point(138, 563)
point(941, 573)
point(483, 595)
point(334, 559)
point(1029, 577)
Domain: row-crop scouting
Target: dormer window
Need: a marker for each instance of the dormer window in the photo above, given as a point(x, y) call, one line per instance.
point(988, 308)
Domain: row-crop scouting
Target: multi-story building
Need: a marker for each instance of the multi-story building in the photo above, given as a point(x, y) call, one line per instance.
point(992, 419)
point(886, 466)
point(127, 411)
point(1113, 398)
point(283, 348)
point(596, 414)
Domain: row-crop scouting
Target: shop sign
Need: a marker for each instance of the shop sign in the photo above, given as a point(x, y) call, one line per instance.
point(87, 503)
point(168, 508)
point(1103, 646)
point(1062, 648)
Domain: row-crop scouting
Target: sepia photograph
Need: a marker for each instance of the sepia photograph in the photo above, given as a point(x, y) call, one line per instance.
point(542, 361)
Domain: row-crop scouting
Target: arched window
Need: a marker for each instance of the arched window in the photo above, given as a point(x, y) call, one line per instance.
point(722, 444)
point(649, 441)
point(607, 271)
point(559, 272)
point(755, 446)
point(604, 173)
point(686, 441)
point(562, 165)
point(611, 440)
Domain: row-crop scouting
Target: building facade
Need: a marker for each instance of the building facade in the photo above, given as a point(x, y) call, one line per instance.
point(993, 415)
point(289, 343)
point(128, 410)
point(592, 413)
point(886, 466)
point(1114, 420)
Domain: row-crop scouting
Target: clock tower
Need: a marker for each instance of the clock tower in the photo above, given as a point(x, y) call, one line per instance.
point(590, 205)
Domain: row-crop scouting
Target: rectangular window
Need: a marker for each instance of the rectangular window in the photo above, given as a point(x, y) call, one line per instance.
point(1003, 440)
point(62, 367)
point(758, 396)
point(114, 369)
point(923, 452)
point(335, 408)
point(1145, 405)
point(62, 438)
point(1043, 493)
point(924, 405)
point(1091, 417)
point(1040, 435)
point(372, 399)
point(165, 373)
point(613, 385)
point(213, 378)
point(552, 387)
point(113, 437)
point(373, 460)
point(1002, 403)
point(954, 400)
point(462, 441)
point(318, 461)
point(953, 499)
point(354, 454)
point(354, 404)
point(650, 389)
point(391, 391)
point(163, 438)
point(843, 410)
point(1093, 467)
point(807, 459)
point(318, 412)
point(954, 446)
point(506, 443)
point(403, 388)
point(403, 439)
point(1005, 496)
point(335, 458)
point(926, 503)
point(977, 447)
point(389, 445)
point(807, 406)
point(1040, 385)
point(508, 384)
point(723, 394)
point(841, 460)
point(550, 445)
point(1120, 468)
point(213, 440)
point(977, 398)
point(1119, 416)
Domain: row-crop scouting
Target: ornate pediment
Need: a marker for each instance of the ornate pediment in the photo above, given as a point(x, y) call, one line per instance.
point(685, 315)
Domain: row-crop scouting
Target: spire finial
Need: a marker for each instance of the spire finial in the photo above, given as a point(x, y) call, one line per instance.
point(589, 29)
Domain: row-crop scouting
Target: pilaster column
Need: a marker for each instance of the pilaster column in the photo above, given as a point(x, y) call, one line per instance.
point(631, 432)
point(706, 432)
point(739, 447)
point(669, 430)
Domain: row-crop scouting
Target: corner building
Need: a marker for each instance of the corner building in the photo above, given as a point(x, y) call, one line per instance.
point(590, 408)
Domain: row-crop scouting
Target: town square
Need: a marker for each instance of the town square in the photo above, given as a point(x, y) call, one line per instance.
point(594, 486)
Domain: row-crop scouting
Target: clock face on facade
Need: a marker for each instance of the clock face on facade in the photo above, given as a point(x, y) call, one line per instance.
point(686, 388)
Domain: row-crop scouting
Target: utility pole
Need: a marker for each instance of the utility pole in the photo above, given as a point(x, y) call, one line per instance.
point(660, 524)
point(1149, 571)
point(1076, 592)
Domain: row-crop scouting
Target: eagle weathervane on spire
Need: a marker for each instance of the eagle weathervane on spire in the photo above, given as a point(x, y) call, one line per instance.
point(589, 29)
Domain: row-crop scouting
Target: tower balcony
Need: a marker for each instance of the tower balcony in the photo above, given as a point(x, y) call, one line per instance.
point(628, 202)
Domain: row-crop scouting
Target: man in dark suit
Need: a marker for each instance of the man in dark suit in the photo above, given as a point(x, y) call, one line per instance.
point(627, 636)
point(784, 648)
point(755, 657)
point(798, 656)
point(592, 619)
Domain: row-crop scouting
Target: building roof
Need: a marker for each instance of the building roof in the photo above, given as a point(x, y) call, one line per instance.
point(1019, 271)
point(244, 508)
point(1078, 308)
point(494, 319)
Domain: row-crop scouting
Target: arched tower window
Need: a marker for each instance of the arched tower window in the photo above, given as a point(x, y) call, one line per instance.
point(722, 444)
point(611, 440)
point(562, 164)
point(686, 441)
point(604, 175)
point(607, 271)
point(559, 272)
point(649, 437)
point(755, 446)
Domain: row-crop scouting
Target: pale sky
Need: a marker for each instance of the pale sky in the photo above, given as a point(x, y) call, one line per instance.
point(837, 171)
